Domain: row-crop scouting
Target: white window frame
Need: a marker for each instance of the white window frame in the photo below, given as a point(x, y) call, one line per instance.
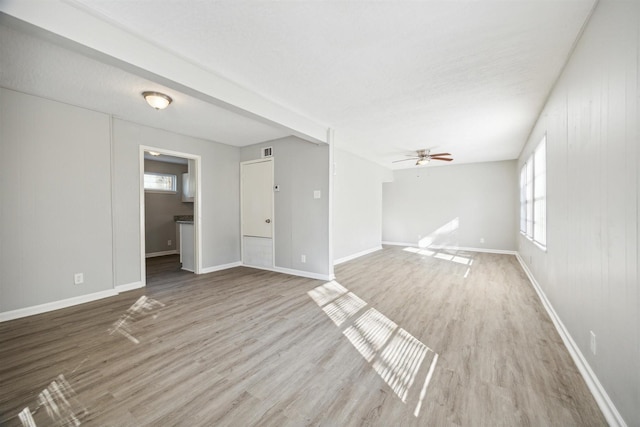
point(533, 196)
point(174, 182)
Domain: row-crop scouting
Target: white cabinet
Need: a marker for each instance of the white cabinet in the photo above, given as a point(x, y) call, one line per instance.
point(189, 183)
point(187, 249)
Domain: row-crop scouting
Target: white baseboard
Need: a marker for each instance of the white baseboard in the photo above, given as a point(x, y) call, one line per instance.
point(55, 305)
point(300, 273)
point(356, 255)
point(607, 407)
point(220, 267)
point(307, 274)
point(411, 245)
point(129, 286)
point(454, 248)
point(163, 253)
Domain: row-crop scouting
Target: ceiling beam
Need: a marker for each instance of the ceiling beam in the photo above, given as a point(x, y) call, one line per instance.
point(114, 45)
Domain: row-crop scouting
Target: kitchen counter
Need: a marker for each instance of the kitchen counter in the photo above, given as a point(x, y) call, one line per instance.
point(183, 219)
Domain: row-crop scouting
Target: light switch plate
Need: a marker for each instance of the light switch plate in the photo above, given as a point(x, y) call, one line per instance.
point(316, 194)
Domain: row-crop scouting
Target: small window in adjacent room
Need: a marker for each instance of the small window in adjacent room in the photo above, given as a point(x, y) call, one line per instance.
point(160, 182)
point(533, 195)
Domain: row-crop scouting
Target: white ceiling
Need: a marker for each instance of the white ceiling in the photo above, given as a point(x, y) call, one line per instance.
point(467, 77)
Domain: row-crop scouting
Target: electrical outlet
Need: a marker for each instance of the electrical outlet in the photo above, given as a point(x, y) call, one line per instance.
point(303, 258)
point(592, 343)
point(168, 242)
point(482, 240)
point(78, 278)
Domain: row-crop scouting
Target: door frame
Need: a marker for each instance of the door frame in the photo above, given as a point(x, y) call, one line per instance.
point(273, 209)
point(197, 214)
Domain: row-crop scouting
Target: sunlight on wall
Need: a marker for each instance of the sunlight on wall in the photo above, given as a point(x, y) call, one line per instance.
point(440, 235)
point(394, 354)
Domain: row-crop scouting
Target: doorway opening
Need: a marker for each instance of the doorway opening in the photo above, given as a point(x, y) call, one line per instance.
point(169, 213)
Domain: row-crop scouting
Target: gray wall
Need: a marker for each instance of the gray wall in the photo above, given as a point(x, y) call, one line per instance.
point(590, 270)
point(357, 204)
point(220, 195)
point(55, 201)
point(454, 205)
point(301, 222)
point(70, 200)
point(159, 209)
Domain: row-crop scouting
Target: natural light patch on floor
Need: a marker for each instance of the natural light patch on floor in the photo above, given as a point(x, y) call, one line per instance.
point(56, 405)
point(399, 362)
point(327, 292)
point(343, 308)
point(443, 255)
point(370, 332)
point(395, 355)
point(143, 307)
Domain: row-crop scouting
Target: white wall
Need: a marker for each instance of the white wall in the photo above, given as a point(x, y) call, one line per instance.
point(357, 204)
point(220, 204)
point(590, 270)
point(55, 201)
point(453, 205)
point(301, 222)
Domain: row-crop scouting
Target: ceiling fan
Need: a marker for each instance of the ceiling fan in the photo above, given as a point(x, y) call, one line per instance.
point(424, 156)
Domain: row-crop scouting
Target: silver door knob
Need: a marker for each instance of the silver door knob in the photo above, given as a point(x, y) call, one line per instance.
point(268, 221)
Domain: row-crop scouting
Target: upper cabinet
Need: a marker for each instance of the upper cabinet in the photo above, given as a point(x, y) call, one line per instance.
point(189, 183)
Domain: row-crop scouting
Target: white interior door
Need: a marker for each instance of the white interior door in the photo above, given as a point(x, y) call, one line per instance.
point(257, 212)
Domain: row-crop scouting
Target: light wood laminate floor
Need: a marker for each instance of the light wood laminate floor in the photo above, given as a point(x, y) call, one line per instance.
point(400, 338)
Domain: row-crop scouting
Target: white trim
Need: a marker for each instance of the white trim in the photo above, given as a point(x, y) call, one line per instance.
point(356, 255)
point(331, 142)
point(197, 206)
point(197, 210)
point(163, 253)
point(129, 286)
point(301, 273)
point(292, 272)
point(411, 245)
point(220, 267)
point(55, 305)
point(599, 393)
point(454, 248)
point(141, 225)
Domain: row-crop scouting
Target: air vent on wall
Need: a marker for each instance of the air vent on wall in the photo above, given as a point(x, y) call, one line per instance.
point(267, 152)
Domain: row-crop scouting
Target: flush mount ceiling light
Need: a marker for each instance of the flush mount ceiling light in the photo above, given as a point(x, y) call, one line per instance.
point(157, 100)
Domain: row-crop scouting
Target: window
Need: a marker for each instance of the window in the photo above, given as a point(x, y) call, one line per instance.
point(533, 195)
point(161, 182)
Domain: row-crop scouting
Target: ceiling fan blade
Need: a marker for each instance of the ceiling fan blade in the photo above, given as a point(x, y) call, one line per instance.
point(439, 154)
point(441, 158)
point(404, 160)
